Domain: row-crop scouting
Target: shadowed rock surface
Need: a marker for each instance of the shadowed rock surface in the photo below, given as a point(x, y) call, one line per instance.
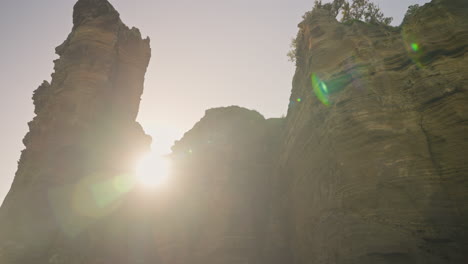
point(369, 166)
point(380, 175)
point(223, 168)
point(372, 160)
point(83, 142)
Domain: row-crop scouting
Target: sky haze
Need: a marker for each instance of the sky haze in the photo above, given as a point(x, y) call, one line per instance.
point(205, 54)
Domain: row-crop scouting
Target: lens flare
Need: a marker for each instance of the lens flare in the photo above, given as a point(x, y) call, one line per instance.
point(105, 192)
point(414, 47)
point(152, 170)
point(320, 89)
point(77, 206)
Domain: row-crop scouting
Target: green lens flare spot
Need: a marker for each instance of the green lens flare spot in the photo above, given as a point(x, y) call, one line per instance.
point(299, 100)
point(323, 87)
point(320, 89)
point(415, 47)
point(123, 183)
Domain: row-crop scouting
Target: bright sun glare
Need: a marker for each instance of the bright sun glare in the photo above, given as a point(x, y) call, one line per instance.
point(152, 170)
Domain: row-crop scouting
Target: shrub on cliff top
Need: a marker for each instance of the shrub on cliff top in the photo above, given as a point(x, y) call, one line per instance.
point(356, 10)
point(412, 9)
point(292, 52)
point(362, 10)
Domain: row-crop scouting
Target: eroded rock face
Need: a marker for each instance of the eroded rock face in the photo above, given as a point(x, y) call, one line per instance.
point(369, 165)
point(375, 155)
point(222, 171)
point(82, 145)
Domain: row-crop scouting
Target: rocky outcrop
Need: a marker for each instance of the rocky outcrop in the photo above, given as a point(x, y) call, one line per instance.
point(222, 170)
point(373, 165)
point(369, 166)
point(371, 158)
point(81, 147)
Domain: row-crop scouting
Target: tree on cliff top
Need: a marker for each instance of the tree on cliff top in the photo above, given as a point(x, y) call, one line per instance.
point(362, 10)
point(357, 10)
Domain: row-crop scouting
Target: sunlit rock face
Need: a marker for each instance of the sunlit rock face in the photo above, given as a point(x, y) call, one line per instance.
point(374, 162)
point(222, 169)
point(81, 147)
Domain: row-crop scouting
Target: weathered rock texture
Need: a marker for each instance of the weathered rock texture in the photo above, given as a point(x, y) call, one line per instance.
point(374, 172)
point(369, 166)
point(380, 175)
point(81, 146)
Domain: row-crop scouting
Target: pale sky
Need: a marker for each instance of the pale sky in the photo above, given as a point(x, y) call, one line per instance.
point(205, 53)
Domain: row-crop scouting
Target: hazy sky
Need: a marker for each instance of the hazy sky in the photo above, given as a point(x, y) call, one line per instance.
point(205, 53)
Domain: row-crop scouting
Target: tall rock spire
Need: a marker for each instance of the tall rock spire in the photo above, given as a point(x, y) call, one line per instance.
point(83, 142)
point(90, 9)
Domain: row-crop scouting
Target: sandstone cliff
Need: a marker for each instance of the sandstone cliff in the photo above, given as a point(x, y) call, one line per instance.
point(369, 165)
point(371, 162)
point(223, 167)
point(374, 160)
point(81, 146)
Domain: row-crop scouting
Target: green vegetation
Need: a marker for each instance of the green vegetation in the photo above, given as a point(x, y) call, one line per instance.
point(356, 10)
point(292, 53)
point(412, 9)
point(362, 10)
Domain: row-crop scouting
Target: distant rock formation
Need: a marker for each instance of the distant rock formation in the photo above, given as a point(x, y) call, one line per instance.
point(369, 166)
point(82, 145)
point(222, 169)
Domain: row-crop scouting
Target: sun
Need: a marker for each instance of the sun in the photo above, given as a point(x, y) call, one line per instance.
point(152, 170)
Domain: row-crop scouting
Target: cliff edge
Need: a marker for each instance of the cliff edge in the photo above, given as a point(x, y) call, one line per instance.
point(369, 165)
point(373, 163)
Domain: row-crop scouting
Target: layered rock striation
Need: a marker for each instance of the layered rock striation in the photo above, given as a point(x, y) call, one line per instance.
point(373, 162)
point(369, 165)
point(81, 147)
